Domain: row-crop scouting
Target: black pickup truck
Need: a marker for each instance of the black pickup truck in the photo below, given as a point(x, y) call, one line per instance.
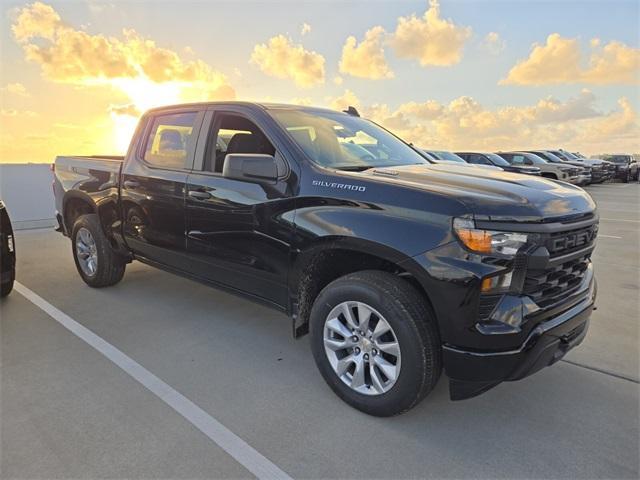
point(397, 267)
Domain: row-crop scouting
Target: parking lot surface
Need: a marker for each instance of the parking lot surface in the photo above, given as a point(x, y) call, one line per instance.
point(69, 412)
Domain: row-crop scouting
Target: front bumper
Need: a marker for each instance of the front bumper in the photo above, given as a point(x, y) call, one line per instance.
point(584, 179)
point(474, 372)
point(622, 173)
point(599, 176)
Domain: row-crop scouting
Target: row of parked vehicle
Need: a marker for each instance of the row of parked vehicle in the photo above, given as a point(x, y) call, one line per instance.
point(556, 164)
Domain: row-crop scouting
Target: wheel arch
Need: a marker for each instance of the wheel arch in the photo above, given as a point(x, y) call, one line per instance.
point(331, 258)
point(74, 204)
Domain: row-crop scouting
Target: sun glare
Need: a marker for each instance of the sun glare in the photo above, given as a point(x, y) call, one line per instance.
point(143, 94)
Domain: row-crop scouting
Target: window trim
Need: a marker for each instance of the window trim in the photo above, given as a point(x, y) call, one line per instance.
point(189, 159)
point(212, 126)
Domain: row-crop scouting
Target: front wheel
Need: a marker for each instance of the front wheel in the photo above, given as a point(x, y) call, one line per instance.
point(375, 342)
point(96, 261)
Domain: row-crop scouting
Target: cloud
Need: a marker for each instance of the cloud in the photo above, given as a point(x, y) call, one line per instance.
point(367, 59)
point(464, 123)
point(493, 43)
point(15, 89)
point(304, 101)
point(559, 61)
point(431, 40)
point(306, 28)
point(338, 80)
point(282, 59)
point(69, 55)
point(347, 99)
point(36, 20)
point(12, 112)
point(129, 109)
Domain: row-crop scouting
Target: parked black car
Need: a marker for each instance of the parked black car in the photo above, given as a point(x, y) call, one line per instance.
point(7, 253)
point(396, 266)
point(484, 158)
point(626, 166)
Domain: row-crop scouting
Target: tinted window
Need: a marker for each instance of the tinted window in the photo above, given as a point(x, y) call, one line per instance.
point(447, 156)
point(618, 158)
point(236, 134)
point(478, 159)
point(497, 160)
point(548, 156)
point(170, 138)
point(517, 159)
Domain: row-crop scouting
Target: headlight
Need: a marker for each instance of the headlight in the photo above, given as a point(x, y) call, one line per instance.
point(488, 241)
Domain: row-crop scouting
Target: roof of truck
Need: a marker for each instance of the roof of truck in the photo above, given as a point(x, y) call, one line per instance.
point(261, 105)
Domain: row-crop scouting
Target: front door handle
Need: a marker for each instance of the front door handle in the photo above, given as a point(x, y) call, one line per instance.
point(199, 195)
point(131, 184)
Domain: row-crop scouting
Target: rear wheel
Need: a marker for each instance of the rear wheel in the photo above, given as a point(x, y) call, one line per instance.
point(96, 261)
point(375, 342)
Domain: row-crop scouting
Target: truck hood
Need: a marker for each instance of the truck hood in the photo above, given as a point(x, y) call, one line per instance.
point(493, 195)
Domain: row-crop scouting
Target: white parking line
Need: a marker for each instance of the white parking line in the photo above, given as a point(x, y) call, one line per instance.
point(241, 451)
point(609, 236)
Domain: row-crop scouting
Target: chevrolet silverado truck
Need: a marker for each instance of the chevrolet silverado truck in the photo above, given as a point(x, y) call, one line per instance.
point(625, 167)
point(557, 171)
point(397, 268)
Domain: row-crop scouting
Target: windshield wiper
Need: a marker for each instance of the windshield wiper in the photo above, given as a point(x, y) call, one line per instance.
point(354, 168)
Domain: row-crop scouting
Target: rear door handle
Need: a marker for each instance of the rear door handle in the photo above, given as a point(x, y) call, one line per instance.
point(199, 195)
point(131, 184)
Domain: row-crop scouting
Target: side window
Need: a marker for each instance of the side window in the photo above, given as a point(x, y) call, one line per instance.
point(518, 160)
point(480, 159)
point(235, 134)
point(170, 138)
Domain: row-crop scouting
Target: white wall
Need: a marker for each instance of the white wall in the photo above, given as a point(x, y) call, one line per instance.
point(26, 191)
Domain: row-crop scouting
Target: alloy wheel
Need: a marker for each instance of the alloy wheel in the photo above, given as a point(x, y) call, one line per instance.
point(362, 348)
point(87, 252)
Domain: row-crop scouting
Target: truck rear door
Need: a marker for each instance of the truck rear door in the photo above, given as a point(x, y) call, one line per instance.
point(153, 186)
point(239, 233)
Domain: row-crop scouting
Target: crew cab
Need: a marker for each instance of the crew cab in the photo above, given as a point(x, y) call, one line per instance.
point(397, 267)
point(484, 158)
point(567, 173)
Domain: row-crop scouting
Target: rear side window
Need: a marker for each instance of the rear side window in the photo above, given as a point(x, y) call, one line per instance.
point(478, 159)
point(170, 138)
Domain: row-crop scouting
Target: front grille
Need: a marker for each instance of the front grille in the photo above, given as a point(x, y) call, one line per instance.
point(486, 306)
point(549, 286)
point(562, 243)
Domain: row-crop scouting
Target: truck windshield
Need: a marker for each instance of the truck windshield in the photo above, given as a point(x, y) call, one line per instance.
point(345, 142)
point(617, 158)
point(497, 160)
point(447, 156)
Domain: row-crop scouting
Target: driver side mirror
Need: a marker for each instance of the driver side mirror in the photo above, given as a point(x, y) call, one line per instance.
point(250, 167)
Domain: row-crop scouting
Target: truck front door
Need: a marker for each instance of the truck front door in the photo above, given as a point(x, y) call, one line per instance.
point(239, 233)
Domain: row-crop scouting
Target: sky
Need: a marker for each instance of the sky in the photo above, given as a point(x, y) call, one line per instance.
point(463, 74)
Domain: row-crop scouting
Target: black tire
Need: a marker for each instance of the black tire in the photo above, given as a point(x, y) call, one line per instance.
point(110, 266)
point(413, 323)
point(5, 288)
point(627, 177)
